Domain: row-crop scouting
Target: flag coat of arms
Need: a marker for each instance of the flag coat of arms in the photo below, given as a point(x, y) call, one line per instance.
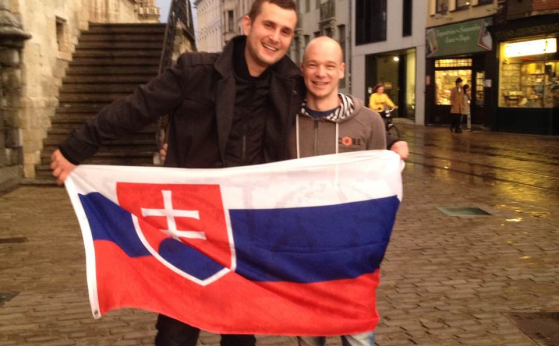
point(288, 248)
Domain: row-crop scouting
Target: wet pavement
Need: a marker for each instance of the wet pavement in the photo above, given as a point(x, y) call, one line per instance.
point(445, 280)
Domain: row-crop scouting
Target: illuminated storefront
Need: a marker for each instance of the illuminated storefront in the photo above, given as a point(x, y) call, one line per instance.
point(459, 50)
point(528, 81)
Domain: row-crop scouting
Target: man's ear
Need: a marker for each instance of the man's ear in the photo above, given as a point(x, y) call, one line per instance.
point(247, 25)
point(342, 70)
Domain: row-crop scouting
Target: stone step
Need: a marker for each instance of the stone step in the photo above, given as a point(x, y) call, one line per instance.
point(89, 98)
point(139, 146)
point(150, 45)
point(131, 37)
point(98, 88)
point(115, 61)
point(127, 28)
point(62, 130)
point(80, 108)
point(136, 53)
point(64, 121)
point(105, 71)
point(128, 141)
point(107, 79)
point(122, 158)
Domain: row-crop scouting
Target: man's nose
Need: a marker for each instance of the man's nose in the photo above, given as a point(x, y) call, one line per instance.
point(275, 35)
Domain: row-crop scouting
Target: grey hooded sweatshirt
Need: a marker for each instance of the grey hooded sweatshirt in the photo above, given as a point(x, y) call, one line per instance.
point(351, 127)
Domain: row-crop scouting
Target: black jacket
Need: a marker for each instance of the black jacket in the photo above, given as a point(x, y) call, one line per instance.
point(200, 91)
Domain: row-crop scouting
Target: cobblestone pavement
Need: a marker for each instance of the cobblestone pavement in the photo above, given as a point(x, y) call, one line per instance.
point(445, 280)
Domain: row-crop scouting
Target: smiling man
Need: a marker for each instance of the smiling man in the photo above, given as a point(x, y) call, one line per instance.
point(229, 109)
point(331, 123)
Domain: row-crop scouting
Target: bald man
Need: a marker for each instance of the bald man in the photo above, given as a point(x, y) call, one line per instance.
point(329, 123)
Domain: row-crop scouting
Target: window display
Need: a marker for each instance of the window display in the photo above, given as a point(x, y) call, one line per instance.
point(480, 97)
point(445, 80)
point(528, 81)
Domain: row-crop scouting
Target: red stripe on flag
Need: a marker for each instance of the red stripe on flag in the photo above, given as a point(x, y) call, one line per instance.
point(233, 304)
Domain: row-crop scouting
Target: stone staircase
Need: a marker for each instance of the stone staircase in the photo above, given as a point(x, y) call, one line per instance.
point(109, 62)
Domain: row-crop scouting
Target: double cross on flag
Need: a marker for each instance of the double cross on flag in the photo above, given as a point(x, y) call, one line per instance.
point(301, 240)
point(171, 214)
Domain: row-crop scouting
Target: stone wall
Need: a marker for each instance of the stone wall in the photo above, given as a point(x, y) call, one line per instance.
point(123, 11)
point(11, 144)
point(55, 26)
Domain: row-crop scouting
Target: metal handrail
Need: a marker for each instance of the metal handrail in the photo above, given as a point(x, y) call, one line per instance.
point(179, 12)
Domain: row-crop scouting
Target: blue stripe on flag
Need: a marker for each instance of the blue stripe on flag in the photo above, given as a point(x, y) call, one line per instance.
point(108, 221)
point(313, 244)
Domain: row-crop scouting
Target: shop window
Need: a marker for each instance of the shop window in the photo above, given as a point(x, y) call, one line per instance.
point(445, 80)
point(453, 63)
point(528, 74)
point(370, 21)
point(462, 4)
point(480, 91)
point(442, 6)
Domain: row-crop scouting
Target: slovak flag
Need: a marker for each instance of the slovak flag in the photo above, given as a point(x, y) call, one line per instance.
point(287, 248)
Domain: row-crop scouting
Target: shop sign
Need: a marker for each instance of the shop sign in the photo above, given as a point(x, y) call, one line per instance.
point(461, 38)
point(533, 47)
point(535, 30)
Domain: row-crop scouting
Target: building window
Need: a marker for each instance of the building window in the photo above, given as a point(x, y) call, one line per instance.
point(297, 43)
point(230, 22)
point(442, 6)
point(329, 32)
point(307, 39)
point(407, 18)
point(484, 2)
point(307, 6)
point(61, 40)
point(370, 21)
point(462, 4)
point(317, 34)
point(341, 40)
point(318, 4)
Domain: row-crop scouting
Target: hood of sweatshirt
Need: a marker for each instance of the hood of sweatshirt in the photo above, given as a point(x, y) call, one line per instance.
point(346, 110)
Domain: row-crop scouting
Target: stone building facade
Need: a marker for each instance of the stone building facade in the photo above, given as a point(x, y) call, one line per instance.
point(34, 72)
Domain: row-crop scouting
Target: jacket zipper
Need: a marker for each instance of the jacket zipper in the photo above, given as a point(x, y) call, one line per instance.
point(243, 154)
point(316, 120)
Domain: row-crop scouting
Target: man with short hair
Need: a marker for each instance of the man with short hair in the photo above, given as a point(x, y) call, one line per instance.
point(331, 123)
point(229, 109)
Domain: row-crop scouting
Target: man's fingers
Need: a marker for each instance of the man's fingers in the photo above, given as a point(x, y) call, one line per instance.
point(56, 172)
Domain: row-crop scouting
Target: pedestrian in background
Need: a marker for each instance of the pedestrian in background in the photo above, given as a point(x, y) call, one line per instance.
point(466, 111)
point(379, 100)
point(456, 106)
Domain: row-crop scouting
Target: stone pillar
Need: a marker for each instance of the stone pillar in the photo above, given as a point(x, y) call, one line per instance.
point(148, 12)
point(12, 37)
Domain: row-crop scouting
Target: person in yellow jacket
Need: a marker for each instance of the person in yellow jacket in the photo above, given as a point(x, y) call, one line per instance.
point(379, 100)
